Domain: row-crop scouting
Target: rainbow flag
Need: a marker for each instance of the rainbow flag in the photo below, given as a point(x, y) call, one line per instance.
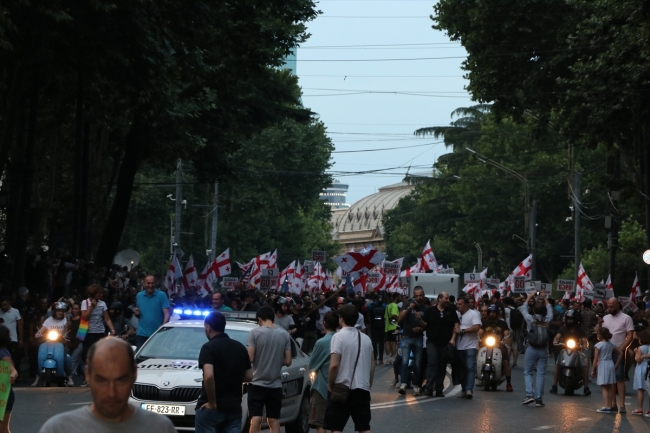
point(83, 329)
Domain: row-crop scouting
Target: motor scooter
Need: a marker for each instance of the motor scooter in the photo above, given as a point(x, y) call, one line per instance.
point(489, 365)
point(53, 363)
point(569, 369)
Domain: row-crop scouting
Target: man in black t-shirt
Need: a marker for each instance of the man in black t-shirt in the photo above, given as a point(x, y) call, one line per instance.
point(412, 340)
point(499, 329)
point(226, 365)
point(440, 322)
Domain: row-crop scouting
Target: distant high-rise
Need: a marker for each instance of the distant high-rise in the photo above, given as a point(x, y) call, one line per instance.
point(335, 195)
point(290, 61)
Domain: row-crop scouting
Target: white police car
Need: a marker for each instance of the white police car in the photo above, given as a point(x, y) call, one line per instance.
point(169, 378)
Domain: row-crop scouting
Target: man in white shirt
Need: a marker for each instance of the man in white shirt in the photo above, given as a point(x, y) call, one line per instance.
point(10, 317)
point(467, 343)
point(622, 329)
point(346, 345)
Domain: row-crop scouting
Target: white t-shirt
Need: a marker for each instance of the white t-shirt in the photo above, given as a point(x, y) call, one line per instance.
point(346, 343)
point(96, 320)
point(59, 325)
point(619, 326)
point(9, 320)
point(467, 320)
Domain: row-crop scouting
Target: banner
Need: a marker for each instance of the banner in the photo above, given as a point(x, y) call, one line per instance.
point(318, 256)
point(5, 386)
point(229, 283)
point(519, 284)
point(565, 285)
point(391, 268)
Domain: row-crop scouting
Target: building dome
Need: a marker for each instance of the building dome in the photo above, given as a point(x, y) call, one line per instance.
point(360, 224)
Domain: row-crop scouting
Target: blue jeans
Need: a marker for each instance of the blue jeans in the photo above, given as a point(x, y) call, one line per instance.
point(535, 356)
point(468, 357)
point(415, 345)
point(213, 421)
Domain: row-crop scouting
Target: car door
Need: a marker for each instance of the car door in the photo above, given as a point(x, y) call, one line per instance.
point(293, 379)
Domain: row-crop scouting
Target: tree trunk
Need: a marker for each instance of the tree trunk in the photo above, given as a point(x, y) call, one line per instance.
point(134, 154)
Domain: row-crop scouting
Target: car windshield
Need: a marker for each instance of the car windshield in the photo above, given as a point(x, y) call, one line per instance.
point(181, 342)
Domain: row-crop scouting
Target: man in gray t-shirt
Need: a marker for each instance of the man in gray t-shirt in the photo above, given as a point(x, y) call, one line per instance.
point(269, 348)
point(110, 361)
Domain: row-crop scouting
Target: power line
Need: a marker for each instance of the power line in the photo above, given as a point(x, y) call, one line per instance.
point(424, 45)
point(381, 76)
point(389, 148)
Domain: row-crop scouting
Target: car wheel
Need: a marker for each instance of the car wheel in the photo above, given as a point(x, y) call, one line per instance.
point(301, 424)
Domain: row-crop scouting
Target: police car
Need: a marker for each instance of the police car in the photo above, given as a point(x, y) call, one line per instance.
point(169, 378)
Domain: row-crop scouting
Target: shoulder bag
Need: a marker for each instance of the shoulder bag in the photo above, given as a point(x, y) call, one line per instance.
point(339, 393)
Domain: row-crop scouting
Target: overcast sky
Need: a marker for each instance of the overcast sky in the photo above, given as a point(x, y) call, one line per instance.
point(409, 78)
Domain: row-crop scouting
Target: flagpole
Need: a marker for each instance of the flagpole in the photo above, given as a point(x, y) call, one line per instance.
point(576, 222)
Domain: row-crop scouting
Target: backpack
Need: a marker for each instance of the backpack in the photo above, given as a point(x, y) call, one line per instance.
point(378, 321)
point(516, 319)
point(538, 334)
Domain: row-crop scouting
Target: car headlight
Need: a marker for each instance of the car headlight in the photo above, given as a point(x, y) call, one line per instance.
point(53, 335)
point(571, 344)
point(490, 341)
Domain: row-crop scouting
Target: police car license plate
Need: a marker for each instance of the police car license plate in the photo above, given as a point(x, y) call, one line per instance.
point(165, 409)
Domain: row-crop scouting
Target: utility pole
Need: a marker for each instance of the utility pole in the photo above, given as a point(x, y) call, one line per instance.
point(533, 235)
point(576, 222)
point(215, 214)
point(480, 257)
point(178, 203)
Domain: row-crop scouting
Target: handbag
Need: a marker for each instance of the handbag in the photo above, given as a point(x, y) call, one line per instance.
point(83, 327)
point(339, 393)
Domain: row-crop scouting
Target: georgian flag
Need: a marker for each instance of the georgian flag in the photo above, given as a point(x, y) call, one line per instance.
point(173, 273)
point(328, 283)
point(298, 284)
point(636, 289)
point(360, 284)
point(412, 270)
point(260, 263)
point(273, 260)
point(361, 261)
point(287, 274)
point(202, 288)
point(315, 281)
point(429, 262)
point(583, 283)
point(189, 276)
point(525, 269)
point(221, 264)
point(609, 288)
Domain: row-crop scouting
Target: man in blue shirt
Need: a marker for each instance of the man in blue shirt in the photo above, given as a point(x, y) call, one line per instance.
point(152, 310)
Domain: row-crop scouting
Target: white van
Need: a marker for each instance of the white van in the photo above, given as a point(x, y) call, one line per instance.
point(434, 284)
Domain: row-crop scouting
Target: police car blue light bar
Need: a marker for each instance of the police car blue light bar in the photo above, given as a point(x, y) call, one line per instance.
point(195, 314)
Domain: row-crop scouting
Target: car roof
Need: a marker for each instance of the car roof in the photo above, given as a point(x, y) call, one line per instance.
point(241, 325)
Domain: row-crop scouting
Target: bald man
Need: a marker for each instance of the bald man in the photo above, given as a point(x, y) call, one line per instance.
point(622, 329)
point(111, 373)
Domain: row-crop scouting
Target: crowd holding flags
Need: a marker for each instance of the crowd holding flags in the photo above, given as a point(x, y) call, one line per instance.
point(353, 269)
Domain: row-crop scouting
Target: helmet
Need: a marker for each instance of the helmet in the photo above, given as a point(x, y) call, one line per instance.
point(493, 308)
point(573, 315)
point(60, 306)
point(280, 301)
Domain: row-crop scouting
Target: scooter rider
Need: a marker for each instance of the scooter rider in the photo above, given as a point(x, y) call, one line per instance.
point(572, 331)
point(58, 322)
point(498, 328)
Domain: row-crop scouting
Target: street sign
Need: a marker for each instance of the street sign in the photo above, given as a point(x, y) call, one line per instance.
point(545, 288)
point(646, 257)
point(472, 278)
point(229, 283)
point(519, 284)
point(318, 256)
point(391, 268)
point(565, 285)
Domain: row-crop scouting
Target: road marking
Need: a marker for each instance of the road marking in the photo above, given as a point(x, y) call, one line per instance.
point(584, 419)
point(544, 427)
point(414, 400)
point(79, 404)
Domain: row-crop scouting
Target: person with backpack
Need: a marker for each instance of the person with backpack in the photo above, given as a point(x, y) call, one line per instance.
point(377, 311)
point(537, 350)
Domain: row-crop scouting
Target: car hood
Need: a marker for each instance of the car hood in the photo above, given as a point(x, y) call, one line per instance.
point(170, 373)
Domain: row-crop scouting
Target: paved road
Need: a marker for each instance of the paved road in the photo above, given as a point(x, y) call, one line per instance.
point(488, 412)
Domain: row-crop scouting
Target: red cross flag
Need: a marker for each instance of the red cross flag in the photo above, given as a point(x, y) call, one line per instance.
point(362, 261)
point(636, 289)
point(221, 265)
point(189, 276)
point(429, 262)
point(174, 272)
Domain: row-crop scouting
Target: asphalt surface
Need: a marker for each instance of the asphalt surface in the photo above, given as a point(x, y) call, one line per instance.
point(488, 412)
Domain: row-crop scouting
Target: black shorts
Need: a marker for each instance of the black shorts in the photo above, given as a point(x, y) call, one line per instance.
point(260, 397)
point(10, 401)
point(357, 407)
point(391, 336)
